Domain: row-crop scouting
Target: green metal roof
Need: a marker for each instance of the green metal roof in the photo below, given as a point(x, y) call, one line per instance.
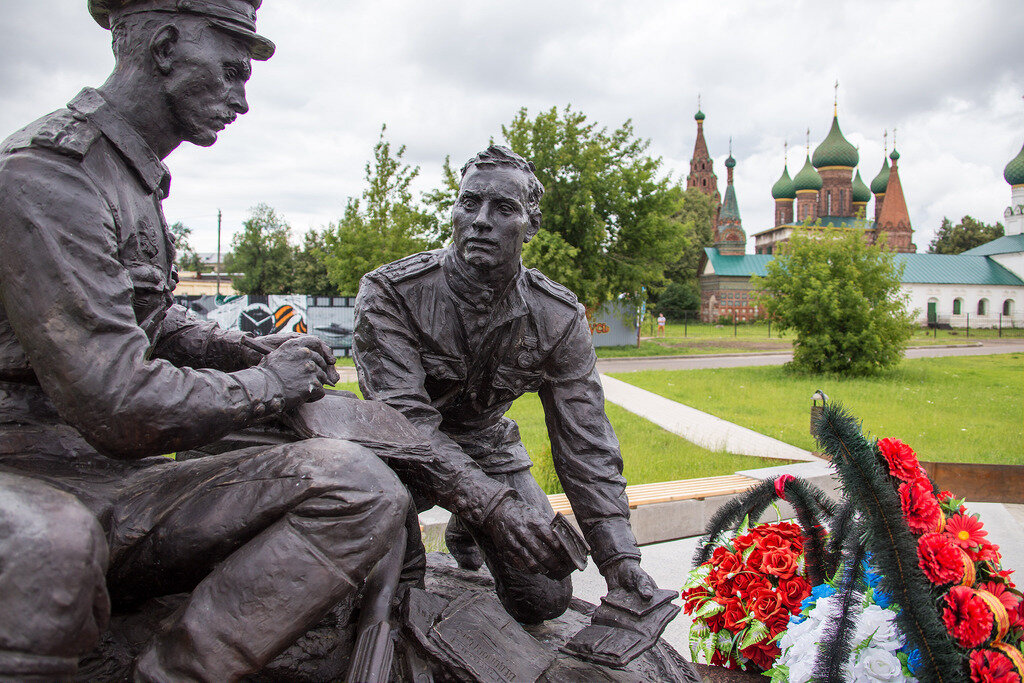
point(861, 193)
point(807, 178)
point(783, 187)
point(881, 180)
point(1014, 171)
point(730, 207)
point(835, 149)
point(955, 269)
point(1008, 244)
point(743, 265)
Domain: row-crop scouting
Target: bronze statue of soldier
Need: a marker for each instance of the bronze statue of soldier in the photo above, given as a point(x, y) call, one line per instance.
point(450, 338)
point(100, 374)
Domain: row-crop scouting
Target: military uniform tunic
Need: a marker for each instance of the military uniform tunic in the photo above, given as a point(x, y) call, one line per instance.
point(98, 370)
point(453, 356)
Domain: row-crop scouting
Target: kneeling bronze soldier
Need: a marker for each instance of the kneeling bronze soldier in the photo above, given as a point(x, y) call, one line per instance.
point(450, 338)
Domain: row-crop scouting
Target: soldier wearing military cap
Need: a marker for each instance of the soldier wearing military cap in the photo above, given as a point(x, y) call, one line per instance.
point(100, 372)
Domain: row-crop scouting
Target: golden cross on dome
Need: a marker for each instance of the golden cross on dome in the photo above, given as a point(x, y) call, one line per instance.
point(835, 101)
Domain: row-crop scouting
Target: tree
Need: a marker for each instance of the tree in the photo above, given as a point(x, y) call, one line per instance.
point(384, 225)
point(187, 259)
point(967, 234)
point(309, 272)
point(842, 297)
point(262, 255)
point(607, 227)
point(440, 202)
point(678, 299)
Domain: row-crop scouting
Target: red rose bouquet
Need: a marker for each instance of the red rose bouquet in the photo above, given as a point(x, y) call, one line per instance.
point(742, 597)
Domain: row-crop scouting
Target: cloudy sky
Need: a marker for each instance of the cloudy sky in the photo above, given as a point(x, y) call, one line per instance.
point(444, 75)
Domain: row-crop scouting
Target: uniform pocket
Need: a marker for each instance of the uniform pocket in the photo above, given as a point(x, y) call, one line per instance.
point(441, 367)
point(516, 380)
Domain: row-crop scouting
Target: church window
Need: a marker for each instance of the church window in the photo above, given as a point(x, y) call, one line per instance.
point(958, 306)
point(1008, 307)
point(983, 307)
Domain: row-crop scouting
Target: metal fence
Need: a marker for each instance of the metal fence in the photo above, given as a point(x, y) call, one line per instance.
point(689, 325)
point(969, 325)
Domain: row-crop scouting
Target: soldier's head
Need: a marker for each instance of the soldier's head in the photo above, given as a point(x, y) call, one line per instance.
point(192, 56)
point(497, 210)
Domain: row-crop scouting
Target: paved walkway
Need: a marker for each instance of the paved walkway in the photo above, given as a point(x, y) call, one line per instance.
point(987, 347)
point(699, 427)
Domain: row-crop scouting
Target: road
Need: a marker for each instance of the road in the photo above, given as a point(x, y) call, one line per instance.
point(606, 365)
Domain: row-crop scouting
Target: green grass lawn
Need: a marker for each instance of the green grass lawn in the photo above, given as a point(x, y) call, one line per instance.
point(649, 453)
point(967, 409)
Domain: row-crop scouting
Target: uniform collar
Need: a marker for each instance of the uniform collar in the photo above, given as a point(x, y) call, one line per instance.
point(505, 305)
point(155, 176)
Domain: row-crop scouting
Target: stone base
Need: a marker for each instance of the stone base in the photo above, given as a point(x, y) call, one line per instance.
point(322, 654)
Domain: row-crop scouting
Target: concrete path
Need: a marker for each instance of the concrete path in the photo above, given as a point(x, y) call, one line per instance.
point(699, 427)
point(988, 347)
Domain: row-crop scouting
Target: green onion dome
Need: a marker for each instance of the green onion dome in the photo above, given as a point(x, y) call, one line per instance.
point(730, 162)
point(807, 178)
point(699, 116)
point(1014, 172)
point(783, 187)
point(894, 155)
point(881, 180)
point(835, 150)
point(861, 193)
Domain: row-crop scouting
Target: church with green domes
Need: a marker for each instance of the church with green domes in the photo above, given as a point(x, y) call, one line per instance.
point(983, 287)
point(829, 191)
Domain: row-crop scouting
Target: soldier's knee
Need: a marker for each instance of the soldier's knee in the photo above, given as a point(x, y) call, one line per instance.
point(52, 575)
point(543, 600)
point(343, 465)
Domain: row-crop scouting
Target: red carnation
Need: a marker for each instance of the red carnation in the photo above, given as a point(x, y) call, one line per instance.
point(939, 559)
point(992, 666)
point(967, 617)
point(901, 459)
point(920, 506)
point(984, 551)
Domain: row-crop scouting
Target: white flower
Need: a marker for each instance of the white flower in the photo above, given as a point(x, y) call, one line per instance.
point(879, 625)
point(875, 664)
point(800, 670)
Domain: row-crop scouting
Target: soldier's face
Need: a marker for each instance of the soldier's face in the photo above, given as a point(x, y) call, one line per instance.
point(490, 219)
point(205, 88)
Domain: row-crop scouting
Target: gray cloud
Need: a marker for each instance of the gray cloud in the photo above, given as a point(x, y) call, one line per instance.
point(446, 75)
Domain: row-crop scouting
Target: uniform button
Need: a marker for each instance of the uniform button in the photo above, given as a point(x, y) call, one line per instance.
point(472, 396)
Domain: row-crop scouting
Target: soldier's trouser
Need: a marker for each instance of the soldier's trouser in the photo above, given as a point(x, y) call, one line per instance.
point(53, 601)
point(267, 540)
point(528, 598)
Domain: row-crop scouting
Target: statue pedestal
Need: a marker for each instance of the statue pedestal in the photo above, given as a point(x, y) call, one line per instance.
point(322, 654)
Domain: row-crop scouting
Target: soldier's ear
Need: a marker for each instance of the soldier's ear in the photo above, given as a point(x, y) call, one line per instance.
point(531, 232)
point(162, 46)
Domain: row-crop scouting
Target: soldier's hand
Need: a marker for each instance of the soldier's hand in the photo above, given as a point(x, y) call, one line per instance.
point(626, 573)
point(524, 533)
point(302, 367)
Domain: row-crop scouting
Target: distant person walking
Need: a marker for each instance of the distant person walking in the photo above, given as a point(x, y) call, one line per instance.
point(661, 324)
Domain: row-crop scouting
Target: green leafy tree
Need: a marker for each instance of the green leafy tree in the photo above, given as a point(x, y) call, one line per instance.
point(440, 201)
point(309, 272)
point(261, 254)
point(843, 299)
point(604, 198)
point(383, 225)
point(967, 234)
point(696, 211)
point(678, 299)
point(187, 258)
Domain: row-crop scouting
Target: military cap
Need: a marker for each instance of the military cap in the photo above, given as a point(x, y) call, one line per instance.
point(237, 17)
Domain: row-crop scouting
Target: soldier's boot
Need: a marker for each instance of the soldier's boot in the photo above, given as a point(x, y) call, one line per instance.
point(462, 546)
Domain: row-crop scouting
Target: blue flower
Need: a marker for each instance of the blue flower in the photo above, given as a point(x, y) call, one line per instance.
point(871, 577)
point(882, 599)
point(822, 590)
point(914, 661)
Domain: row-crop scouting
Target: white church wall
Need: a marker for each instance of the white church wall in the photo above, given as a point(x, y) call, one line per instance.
point(970, 296)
